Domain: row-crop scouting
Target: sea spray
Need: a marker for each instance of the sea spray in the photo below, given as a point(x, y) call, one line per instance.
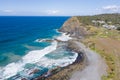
point(32, 57)
point(64, 37)
point(38, 57)
point(62, 62)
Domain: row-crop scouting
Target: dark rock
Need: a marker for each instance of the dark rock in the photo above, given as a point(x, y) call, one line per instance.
point(73, 27)
point(34, 71)
point(23, 79)
point(71, 44)
point(58, 40)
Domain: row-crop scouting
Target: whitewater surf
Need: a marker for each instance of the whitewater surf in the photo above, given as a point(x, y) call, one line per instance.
point(38, 59)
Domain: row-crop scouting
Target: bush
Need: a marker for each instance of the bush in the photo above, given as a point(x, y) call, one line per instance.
point(118, 28)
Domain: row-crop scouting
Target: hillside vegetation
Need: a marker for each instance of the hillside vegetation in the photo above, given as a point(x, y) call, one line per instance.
point(87, 20)
point(104, 41)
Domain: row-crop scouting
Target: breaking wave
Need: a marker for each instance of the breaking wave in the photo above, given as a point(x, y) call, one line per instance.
point(38, 57)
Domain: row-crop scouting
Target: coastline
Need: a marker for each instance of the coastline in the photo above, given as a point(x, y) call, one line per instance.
point(102, 41)
point(80, 71)
point(86, 61)
point(66, 72)
point(95, 68)
point(94, 54)
point(61, 73)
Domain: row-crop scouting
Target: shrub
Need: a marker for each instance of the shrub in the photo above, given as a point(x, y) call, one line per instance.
point(118, 28)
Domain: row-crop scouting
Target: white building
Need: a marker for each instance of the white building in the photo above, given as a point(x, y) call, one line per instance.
point(109, 26)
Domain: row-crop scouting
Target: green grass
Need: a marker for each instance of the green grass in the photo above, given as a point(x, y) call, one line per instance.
point(87, 20)
point(110, 60)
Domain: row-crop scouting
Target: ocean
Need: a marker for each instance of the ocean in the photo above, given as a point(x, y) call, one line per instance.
point(27, 44)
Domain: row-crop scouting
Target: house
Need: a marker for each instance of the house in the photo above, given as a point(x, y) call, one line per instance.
point(109, 26)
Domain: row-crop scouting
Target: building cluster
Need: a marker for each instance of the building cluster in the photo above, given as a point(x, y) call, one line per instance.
point(107, 25)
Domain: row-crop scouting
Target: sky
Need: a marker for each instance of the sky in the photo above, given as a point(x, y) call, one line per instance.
point(57, 7)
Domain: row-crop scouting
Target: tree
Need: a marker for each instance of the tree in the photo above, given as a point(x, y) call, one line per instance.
point(118, 28)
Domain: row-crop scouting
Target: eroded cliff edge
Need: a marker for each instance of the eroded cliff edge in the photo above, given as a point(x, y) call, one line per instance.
point(104, 41)
point(73, 27)
point(78, 31)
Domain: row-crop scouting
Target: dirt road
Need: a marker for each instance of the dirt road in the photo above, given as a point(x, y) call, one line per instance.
point(94, 70)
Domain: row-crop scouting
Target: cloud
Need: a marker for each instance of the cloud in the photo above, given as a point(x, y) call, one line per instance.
point(52, 12)
point(8, 11)
point(112, 8)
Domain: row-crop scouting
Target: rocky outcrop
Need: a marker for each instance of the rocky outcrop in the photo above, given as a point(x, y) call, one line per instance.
point(73, 27)
point(79, 64)
point(71, 44)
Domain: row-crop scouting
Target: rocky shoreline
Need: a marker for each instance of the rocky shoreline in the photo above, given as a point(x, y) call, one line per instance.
point(78, 32)
point(61, 73)
point(79, 64)
point(65, 73)
point(86, 60)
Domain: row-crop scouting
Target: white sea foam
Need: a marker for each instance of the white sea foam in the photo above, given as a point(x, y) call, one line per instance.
point(46, 62)
point(12, 69)
point(32, 57)
point(57, 31)
point(64, 37)
point(40, 40)
point(35, 57)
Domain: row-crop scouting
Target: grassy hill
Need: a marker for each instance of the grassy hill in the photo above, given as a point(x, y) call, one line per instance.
point(113, 18)
point(104, 41)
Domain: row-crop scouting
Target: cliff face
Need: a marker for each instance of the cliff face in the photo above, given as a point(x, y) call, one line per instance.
point(74, 28)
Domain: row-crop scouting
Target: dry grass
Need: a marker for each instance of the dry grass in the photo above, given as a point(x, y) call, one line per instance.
point(107, 44)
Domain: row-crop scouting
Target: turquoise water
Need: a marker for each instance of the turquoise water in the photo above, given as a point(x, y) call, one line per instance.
point(22, 49)
point(17, 35)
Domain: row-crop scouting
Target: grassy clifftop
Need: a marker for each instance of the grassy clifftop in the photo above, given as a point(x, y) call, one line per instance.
point(105, 41)
point(113, 18)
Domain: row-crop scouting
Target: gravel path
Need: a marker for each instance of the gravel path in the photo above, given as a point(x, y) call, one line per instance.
point(94, 70)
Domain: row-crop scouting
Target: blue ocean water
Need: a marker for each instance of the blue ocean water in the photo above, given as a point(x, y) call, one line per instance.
point(23, 51)
point(17, 35)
